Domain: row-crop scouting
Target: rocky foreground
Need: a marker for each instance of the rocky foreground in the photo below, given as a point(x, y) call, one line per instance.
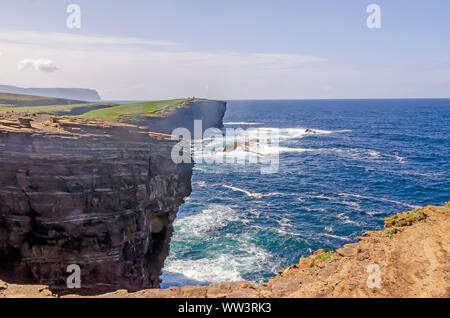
point(412, 254)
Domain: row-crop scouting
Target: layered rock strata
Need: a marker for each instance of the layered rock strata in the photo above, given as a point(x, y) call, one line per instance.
point(99, 195)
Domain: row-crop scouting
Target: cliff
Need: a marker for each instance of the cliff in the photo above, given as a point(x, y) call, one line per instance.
point(101, 195)
point(63, 93)
point(210, 112)
point(412, 253)
point(160, 116)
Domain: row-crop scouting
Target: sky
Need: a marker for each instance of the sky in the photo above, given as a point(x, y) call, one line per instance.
point(234, 49)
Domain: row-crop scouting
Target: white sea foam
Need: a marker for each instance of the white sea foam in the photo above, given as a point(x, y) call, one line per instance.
point(280, 230)
point(344, 131)
point(223, 265)
point(314, 209)
point(400, 159)
point(215, 216)
point(286, 133)
point(247, 193)
point(252, 144)
point(208, 270)
point(254, 194)
point(372, 213)
point(241, 123)
point(273, 194)
point(377, 199)
point(343, 238)
point(284, 222)
point(288, 149)
point(346, 219)
point(200, 183)
point(374, 153)
point(360, 154)
point(355, 205)
point(422, 174)
point(320, 196)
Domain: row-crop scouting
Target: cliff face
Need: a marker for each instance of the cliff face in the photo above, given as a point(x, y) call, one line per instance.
point(99, 195)
point(210, 112)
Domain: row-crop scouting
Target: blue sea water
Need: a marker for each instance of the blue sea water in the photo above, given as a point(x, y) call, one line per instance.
point(371, 158)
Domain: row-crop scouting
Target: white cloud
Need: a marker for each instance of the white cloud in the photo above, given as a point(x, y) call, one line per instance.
point(43, 65)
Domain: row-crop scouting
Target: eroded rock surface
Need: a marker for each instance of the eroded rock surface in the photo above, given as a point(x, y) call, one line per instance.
point(99, 195)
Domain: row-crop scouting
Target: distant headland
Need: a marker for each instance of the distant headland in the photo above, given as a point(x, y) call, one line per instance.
point(84, 94)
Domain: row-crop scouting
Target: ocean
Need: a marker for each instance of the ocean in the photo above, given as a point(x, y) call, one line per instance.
point(368, 160)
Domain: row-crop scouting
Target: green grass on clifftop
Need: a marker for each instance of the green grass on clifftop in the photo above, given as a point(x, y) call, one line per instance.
point(147, 109)
point(6, 98)
point(48, 106)
point(53, 110)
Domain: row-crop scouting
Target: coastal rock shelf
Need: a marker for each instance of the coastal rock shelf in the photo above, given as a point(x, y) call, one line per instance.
point(100, 195)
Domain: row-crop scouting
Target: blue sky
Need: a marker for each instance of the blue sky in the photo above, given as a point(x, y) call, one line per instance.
point(230, 49)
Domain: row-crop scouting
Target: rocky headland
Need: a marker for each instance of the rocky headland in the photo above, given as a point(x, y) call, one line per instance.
point(98, 194)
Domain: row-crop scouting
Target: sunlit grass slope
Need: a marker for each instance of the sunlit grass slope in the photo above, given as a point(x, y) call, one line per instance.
point(147, 109)
point(101, 111)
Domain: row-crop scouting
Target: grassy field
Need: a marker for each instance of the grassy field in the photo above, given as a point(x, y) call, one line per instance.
point(146, 109)
point(12, 98)
point(55, 110)
point(101, 111)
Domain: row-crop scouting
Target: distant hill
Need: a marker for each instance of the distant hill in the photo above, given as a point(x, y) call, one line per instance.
point(66, 93)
